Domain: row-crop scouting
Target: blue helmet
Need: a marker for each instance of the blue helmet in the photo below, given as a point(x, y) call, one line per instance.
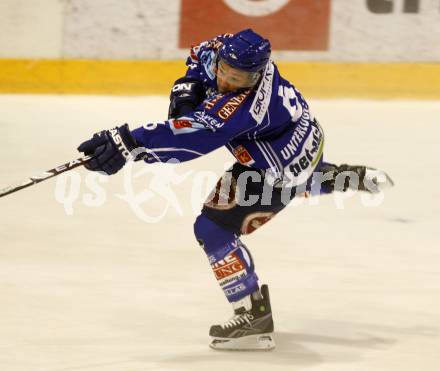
point(246, 50)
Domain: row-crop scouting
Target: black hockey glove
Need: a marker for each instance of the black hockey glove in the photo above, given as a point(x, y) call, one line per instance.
point(110, 149)
point(186, 95)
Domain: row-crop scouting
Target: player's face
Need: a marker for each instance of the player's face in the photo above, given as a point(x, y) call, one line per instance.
point(230, 79)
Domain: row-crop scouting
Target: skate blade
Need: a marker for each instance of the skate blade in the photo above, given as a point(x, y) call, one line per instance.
point(246, 343)
point(378, 180)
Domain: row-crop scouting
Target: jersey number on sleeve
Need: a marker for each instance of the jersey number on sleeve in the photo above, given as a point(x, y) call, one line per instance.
point(290, 101)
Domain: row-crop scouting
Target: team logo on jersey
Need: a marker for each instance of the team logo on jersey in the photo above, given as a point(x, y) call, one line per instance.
point(242, 155)
point(184, 126)
point(181, 124)
point(231, 106)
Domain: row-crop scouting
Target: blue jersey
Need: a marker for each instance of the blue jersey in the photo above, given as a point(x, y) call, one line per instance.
point(268, 127)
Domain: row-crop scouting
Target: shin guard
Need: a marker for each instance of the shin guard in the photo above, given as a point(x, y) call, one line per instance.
point(230, 260)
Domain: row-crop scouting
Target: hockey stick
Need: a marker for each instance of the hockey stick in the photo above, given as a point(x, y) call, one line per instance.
point(46, 175)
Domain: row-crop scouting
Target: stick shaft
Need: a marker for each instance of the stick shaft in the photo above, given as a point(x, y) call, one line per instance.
point(44, 176)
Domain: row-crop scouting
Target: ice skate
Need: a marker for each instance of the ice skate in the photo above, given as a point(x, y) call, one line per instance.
point(375, 180)
point(369, 179)
point(251, 327)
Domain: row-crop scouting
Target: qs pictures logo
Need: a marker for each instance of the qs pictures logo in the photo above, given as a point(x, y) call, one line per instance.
point(288, 24)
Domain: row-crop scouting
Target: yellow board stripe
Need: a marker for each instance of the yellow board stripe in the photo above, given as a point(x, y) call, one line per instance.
point(377, 80)
point(89, 76)
point(320, 80)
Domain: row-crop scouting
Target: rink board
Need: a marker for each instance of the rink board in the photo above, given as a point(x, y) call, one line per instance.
point(140, 77)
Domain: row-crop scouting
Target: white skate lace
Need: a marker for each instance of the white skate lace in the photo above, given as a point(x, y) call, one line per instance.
point(238, 319)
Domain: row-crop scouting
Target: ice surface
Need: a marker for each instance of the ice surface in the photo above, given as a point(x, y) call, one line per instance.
point(97, 288)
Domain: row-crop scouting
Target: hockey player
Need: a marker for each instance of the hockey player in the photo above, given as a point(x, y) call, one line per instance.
point(233, 95)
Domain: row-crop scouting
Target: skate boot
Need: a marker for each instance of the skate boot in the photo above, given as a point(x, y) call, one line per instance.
point(251, 327)
point(356, 178)
point(370, 180)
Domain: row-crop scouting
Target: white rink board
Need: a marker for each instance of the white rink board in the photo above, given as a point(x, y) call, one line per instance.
point(352, 289)
point(31, 29)
point(150, 29)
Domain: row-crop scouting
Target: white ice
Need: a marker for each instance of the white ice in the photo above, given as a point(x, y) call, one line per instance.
point(98, 288)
